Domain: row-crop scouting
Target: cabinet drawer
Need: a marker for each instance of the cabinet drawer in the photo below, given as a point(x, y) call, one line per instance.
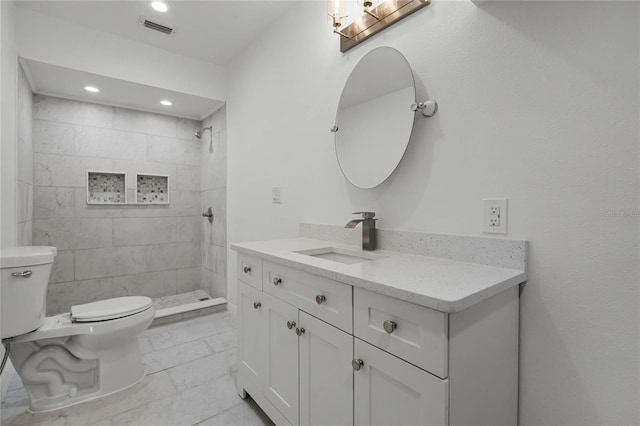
point(328, 300)
point(250, 270)
point(419, 335)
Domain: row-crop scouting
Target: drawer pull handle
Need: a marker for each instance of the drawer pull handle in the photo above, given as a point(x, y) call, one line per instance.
point(256, 305)
point(246, 269)
point(357, 364)
point(291, 324)
point(25, 274)
point(300, 331)
point(277, 281)
point(389, 326)
point(320, 299)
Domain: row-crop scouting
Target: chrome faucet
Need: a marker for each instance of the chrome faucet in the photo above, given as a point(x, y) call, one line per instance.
point(368, 229)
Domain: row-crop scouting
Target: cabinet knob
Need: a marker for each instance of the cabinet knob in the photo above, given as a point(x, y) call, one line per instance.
point(277, 281)
point(291, 324)
point(246, 269)
point(389, 326)
point(357, 364)
point(320, 299)
point(300, 331)
point(256, 305)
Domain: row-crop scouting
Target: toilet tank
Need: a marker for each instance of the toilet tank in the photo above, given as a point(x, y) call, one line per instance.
point(24, 277)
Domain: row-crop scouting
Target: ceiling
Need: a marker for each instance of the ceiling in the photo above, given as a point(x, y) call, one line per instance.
point(211, 30)
point(214, 31)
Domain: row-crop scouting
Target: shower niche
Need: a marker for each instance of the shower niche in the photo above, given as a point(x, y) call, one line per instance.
point(110, 188)
point(106, 188)
point(152, 189)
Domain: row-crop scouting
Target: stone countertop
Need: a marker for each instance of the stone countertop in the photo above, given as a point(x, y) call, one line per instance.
point(442, 284)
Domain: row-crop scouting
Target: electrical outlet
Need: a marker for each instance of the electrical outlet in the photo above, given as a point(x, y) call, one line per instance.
point(494, 215)
point(276, 195)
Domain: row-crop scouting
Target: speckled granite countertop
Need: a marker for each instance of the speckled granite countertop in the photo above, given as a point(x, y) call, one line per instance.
point(438, 283)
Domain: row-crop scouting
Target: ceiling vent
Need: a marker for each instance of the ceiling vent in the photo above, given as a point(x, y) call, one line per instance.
point(155, 26)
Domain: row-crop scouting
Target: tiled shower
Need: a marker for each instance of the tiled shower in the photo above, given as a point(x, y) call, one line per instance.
point(111, 250)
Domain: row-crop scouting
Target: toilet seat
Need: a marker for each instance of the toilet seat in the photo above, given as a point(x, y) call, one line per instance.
point(110, 309)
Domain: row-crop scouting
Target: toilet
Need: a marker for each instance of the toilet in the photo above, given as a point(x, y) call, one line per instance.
point(78, 356)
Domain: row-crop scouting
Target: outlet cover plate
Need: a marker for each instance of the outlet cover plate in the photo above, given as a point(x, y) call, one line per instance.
point(494, 215)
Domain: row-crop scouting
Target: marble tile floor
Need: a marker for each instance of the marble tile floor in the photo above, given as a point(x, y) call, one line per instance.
point(190, 381)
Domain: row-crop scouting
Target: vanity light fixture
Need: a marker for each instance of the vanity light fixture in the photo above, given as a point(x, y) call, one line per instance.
point(91, 89)
point(159, 6)
point(166, 102)
point(375, 18)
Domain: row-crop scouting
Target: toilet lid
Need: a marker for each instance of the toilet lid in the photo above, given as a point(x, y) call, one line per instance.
point(109, 309)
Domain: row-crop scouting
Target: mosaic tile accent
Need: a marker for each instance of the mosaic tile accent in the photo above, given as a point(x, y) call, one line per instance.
point(152, 189)
point(105, 188)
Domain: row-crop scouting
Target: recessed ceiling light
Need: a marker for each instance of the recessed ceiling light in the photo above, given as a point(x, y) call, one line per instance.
point(166, 102)
point(160, 6)
point(91, 89)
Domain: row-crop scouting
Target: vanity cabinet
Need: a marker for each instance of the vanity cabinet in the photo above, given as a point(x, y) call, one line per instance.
point(313, 351)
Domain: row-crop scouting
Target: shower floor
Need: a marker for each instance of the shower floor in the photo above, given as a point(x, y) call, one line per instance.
point(183, 306)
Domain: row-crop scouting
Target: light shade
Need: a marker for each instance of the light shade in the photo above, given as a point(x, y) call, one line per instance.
point(336, 16)
point(160, 6)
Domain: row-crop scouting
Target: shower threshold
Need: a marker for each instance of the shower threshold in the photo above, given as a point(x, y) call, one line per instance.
point(183, 306)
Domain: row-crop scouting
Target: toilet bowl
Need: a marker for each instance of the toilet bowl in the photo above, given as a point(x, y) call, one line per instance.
point(78, 356)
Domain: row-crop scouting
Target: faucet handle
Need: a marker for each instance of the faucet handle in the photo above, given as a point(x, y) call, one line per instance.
point(366, 215)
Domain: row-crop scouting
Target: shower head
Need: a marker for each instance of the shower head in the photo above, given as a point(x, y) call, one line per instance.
point(199, 133)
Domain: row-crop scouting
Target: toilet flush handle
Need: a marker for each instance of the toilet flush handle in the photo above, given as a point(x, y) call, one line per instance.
point(25, 274)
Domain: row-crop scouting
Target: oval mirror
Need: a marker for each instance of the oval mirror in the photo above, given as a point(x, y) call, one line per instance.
point(374, 118)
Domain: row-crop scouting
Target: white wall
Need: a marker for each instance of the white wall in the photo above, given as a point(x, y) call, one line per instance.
point(8, 123)
point(538, 103)
point(47, 39)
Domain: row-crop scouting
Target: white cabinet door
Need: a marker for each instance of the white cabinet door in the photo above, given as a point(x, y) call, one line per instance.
point(250, 334)
point(326, 375)
point(390, 391)
point(281, 357)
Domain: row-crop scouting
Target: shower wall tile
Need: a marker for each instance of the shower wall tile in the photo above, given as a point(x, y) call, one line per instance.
point(110, 262)
point(69, 234)
point(24, 195)
point(152, 249)
point(187, 128)
point(67, 111)
point(68, 171)
point(189, 229)
point(213, 283)
point(108, 143)
point(129, 232)
point(145, 122)
point(63, 267)
point(188, 279)
point(61, 296)
point(51, 202)
point(159, 257)
point(54, 138)
point(214, 258)
point(173, 150)
point(25, 161)
point(188, 177)
point(150, 284)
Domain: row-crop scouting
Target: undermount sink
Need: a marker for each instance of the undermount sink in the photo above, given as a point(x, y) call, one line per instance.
point(339, 255)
